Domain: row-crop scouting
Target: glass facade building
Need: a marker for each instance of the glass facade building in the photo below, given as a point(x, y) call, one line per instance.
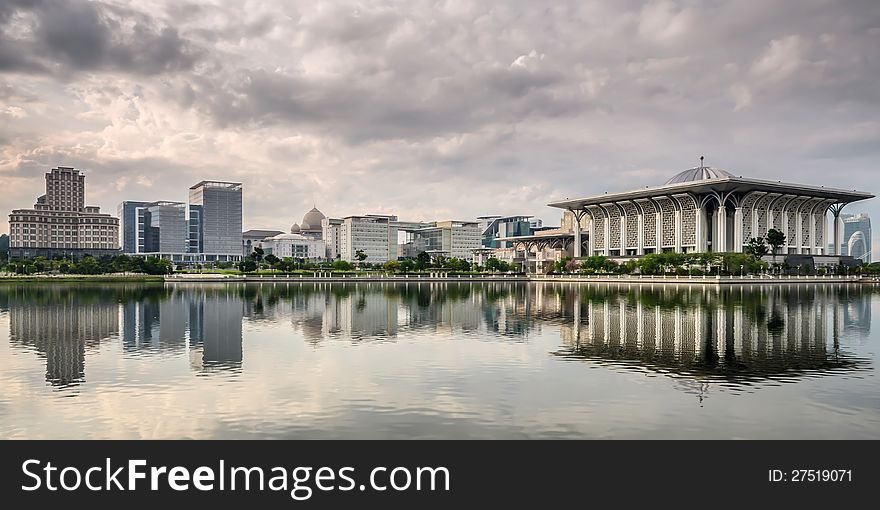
point(215, 219)
point(857, 237)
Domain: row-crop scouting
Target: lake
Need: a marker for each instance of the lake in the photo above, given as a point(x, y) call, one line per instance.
point(438, 360)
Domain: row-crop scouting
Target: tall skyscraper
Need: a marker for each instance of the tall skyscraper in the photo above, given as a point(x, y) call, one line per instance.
point(61, 224)
point(215, 220)
point(857, 238)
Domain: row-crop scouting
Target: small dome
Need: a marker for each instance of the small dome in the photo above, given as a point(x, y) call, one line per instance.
point(700, 173)
point(312, 220)
point(294, 229)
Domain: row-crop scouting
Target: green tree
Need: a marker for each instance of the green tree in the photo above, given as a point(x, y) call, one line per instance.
point(341, 265)
point(392, 266)
point(88, 265)
point(423, 260)
point(757, 247)
point(272, 260)
point(360, 255)
point(247, 265)
point(775, 239)
point(257, 255)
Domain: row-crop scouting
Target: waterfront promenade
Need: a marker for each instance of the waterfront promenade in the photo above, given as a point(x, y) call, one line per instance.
point(440, 277)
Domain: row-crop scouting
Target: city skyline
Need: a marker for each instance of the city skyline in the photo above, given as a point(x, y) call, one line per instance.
point(374, 108)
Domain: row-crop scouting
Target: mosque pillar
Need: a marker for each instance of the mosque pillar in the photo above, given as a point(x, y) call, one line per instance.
point(623, 235)
point(591, 239)
point(640, 242)
point(838, 233)
point(799, 232)
point(720, 238)
point(607, 249)
point(699, 218)
point(678, 230)
point(738, 240)
point(577, 236)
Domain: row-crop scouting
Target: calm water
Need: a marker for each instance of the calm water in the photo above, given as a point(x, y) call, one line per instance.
point(438, 360)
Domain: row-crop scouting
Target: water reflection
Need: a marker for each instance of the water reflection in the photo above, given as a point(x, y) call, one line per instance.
point(735, 337)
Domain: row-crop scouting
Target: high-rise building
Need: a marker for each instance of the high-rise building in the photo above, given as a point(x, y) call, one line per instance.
point(330, 232)
point(215, 220)
point(61, 224)
point(153, 227)
point(503, 226)
point(857, 237)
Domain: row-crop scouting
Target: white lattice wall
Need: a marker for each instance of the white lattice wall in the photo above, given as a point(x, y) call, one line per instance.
point(747, 215)
point(688, 220)
point(614, 227)
point(761, 208)
point(791, 213)
point(650, 215)
point(598, 228)
point(632, 224)
point(667, 208)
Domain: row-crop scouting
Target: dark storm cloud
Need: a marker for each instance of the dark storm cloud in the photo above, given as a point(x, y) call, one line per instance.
point(57, 36)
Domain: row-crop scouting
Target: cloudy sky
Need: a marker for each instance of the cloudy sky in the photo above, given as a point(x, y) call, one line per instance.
point(433, 109)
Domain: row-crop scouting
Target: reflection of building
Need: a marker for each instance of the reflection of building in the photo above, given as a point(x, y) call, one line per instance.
point(61, 224)
point(778, 333)
point(61, 324)
point(361, 315)
point(706, 209)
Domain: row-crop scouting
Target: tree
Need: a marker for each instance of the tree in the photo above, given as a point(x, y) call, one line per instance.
point(258, 253)
point(272, 260)
point(407, 265)
point(423, 260)
point(88, 265)
point(360, 255)
point(247, 265)
point(757, 247)
point(341, 265)
point(392, 266)
point(775, 239)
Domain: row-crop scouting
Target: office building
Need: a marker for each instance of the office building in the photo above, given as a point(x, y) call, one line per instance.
point(214, 220)
point(153, 227)
point(455, 239)
point(61, 224)
point(494, 227)
point(373, 234)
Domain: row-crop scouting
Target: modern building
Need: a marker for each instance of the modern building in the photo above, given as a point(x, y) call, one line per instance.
point(457, 239)
point(373, 234)
point(494, 227)
point(706, 209)
point(857, 236)
point(214, 220)
point(153, 227)
point(294, 246)
point(253, 238)
point(61, 224)
point(330, 233)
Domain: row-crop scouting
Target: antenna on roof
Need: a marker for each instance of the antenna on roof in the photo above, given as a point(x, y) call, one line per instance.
point(701, 161)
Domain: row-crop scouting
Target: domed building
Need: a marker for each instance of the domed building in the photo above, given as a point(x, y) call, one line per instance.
point(311, 224)
point(705, 209)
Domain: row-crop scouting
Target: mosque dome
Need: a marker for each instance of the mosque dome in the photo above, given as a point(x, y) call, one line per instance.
point(312, 220)
point(294, 229)
point(700, 173)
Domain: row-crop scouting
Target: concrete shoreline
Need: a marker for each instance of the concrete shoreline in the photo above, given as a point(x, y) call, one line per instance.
point(618, 279)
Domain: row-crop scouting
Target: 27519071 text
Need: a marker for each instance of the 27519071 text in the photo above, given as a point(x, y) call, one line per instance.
point(810, 475)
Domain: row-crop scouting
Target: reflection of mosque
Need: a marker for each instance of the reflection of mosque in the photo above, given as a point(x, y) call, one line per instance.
point(61, 324)
point(732, 335)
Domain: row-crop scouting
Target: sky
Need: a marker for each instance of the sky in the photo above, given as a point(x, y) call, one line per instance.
point(433, 110)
